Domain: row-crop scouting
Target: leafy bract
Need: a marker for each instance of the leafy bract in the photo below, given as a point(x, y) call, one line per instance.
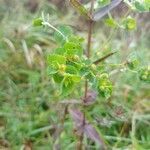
point(111, 22)
point(55, 59)
point(144, 74)
point(129, 23)
point(104, 86)
point(69, 83)
point(73, 48)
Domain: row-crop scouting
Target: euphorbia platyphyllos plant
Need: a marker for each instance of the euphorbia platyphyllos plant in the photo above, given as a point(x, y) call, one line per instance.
point(70, 66)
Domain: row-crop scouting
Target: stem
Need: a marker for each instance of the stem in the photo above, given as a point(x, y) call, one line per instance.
point(88, 54)
point(90, 31)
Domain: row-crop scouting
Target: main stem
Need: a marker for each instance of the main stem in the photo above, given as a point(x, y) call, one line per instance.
point(88, 54)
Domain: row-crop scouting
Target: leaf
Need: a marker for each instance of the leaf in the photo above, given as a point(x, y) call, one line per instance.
point(76, 39)
point(147, 3)
point(80, 8)
point(91, 132)
point(139, 6)
point(103, 3)
point(65, 30)
point(77, 116)
point(76, 78)
point(98, 15)
point(73, 48)
point(104, 58)
point(87, 128)
point(67, 87)
point(51, 70)
point(54, 59)
point(60, 51)
point(68, 84)
point(58, 78)
point(71, 69)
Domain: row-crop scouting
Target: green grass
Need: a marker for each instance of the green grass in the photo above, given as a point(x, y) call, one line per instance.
point(29, 105)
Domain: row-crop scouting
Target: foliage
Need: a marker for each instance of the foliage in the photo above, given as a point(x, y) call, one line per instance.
point(42, 75)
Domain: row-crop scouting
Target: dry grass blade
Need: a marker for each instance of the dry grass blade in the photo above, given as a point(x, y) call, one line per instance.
point(10, 44)
point(27, 53)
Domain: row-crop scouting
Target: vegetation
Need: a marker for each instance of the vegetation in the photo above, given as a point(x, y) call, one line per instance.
point(74, 75)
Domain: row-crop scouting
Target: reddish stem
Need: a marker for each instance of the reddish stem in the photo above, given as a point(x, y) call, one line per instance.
point(88, 54)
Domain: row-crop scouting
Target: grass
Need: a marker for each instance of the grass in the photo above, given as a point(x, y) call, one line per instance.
point(29, 106)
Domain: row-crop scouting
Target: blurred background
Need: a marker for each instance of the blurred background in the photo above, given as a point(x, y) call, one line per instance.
point(29, 112)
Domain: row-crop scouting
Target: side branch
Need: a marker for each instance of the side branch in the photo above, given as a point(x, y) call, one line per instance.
point(104, 58)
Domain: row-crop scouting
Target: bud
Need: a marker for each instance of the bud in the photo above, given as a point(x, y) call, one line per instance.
point(93, 66)
point(37, 22)
point(76, 57)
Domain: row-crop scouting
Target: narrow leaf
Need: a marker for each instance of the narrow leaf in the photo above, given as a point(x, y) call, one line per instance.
point(105, 10)
point(87, 128)
point(76, 115)
point(91, 132)
point(104, 58)
point(80, 8)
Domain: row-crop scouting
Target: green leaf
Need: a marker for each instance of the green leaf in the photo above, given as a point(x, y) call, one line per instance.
point(66, 31)
point(68, 84)
point(147, 3)
point(73, 48)
point(71, 69)
point(76, 78)
point(55, 60)
point(140, 6)
point(60, 51)
point(51, 70)
point(58, 78)
point(76, 39)
point(103, 3)
point(37, 22)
